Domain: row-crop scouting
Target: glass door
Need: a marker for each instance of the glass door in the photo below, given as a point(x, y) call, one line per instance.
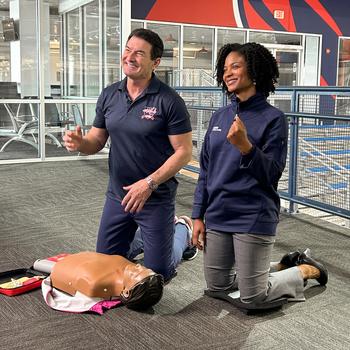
point(92, 59)
point(289, 66)
point(74, 59)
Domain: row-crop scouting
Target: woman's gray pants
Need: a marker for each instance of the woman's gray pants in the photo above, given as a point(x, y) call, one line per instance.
point(242, 260)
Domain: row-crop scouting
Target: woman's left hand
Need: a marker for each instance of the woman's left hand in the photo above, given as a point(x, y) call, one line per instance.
point(198, 234)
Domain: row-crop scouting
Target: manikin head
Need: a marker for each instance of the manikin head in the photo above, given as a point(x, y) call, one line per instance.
point(142, 288)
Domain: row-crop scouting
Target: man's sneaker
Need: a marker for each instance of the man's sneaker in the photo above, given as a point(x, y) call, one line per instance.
point(190, 253)
point(183, 219)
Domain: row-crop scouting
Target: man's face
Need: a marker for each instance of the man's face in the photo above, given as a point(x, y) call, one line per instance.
point(136, 59)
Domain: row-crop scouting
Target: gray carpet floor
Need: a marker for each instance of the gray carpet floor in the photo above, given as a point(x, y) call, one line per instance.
point(49, 208)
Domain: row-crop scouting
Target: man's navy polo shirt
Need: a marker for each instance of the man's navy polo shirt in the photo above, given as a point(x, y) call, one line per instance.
point(139, 133)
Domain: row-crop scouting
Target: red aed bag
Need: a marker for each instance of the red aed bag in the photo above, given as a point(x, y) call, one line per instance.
point(20, 281)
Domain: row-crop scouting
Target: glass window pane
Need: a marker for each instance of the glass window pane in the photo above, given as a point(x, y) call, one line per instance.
point(198, 56)
point(275, 38)
point(344, 62)
point(288, 62)
point(19, 133)
point(92, 51)
point(170, 61)
point(136, 24)
point(55, 66)
point(112, 42)
point(74, 56)
point(228, 36)
point(343, 102)
point(5, 51)
point(310, 73)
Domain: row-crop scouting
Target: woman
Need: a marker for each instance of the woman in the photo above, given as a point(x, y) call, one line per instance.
point(236, 204)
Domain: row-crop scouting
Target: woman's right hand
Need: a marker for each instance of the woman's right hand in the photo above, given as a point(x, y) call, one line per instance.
point(198, 234)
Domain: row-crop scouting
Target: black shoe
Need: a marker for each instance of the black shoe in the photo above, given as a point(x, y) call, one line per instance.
point(290, 259)
point(247, 308)
point(190, 253)
point(307, 260)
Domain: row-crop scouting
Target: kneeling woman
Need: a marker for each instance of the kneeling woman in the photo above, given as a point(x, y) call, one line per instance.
point(236, 203)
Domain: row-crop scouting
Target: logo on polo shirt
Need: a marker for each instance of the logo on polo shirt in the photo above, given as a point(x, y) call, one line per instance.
point(149, 113)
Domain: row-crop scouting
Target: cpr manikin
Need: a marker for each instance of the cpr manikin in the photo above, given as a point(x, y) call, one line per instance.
point(106, 276)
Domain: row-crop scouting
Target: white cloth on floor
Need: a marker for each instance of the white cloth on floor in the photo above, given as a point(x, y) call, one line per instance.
point(77, 303)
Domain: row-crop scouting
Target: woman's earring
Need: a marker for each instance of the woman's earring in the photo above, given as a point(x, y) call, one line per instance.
point(254, 82)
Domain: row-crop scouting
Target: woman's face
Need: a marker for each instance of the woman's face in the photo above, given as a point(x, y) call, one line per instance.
point(236, 76)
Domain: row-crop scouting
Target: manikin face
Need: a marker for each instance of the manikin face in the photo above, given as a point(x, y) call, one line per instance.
point(136, 59)
point(236, 76)
point(133, 274)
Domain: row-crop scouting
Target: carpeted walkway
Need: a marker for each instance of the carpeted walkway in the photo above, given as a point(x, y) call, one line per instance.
point(48, 208)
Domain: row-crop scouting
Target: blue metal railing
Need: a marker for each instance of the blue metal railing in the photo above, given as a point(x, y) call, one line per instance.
point(319, 138)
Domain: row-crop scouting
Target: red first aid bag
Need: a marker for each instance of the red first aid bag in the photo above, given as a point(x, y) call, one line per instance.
point(19, 281)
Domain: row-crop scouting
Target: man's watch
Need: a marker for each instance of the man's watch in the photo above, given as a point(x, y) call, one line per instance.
point(151, 183)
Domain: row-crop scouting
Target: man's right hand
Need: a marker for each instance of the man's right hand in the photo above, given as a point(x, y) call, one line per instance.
point(73, 139)
point(198, 234)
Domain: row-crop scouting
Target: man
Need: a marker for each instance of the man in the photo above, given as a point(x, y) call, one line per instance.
point(151, 140)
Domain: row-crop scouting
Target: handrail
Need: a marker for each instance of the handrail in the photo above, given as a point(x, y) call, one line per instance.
point(330, 160)
point(335, 167)
point(87, 100)
point(312, 115)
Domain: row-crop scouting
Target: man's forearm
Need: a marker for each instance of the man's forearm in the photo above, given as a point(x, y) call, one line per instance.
point(90, 146)
point(93, 141)
point(171, 166)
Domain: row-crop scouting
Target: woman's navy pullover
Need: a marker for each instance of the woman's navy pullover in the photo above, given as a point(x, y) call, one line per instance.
point(238, 193)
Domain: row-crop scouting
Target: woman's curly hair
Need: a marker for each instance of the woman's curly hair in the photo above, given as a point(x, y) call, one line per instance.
point(261, 65)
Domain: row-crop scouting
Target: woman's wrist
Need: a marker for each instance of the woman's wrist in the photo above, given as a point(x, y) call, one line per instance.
point(247, 149)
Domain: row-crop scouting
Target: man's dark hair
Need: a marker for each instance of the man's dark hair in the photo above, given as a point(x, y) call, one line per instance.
point(144, 294)
point(152, 38)
point(261, 65)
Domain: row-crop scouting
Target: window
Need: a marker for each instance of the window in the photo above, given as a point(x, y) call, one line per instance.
point(170, 61)
point(198, 56)
point(228, 36)
point(275, 38)
point(344, 62)
point(74, 55)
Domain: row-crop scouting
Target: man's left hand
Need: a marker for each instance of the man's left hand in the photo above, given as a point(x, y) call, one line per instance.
point(137, 195)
